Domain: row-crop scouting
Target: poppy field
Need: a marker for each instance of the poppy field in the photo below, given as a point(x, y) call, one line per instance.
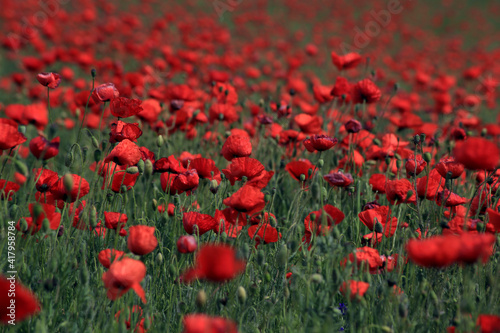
point(249, 166)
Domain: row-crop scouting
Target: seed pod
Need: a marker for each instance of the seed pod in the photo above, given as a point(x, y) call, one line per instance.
point(69, 159)
point(93, 216)
point(160, 141)
point(201, 298)
point(242, 294)
point(282, 256)
point(148, 168)
point(68, 182)
point(159, 258)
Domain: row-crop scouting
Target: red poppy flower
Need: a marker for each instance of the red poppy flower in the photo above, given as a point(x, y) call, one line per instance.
point(449, 164)
point(347, 61)
point(353, 126)
point(342, 90)
point(319, 142)
point(365, 91)
point(203, 222)
point(414, 166)
point(105, 92)
point(18, 307)
point(108, 256)
point(206, 168)
point(124, 275)
point(119, 180)
point(187, 244)
point(250, 168)
point(429, 187)
point(248, 199)
point(216, 263)
point(168, 164)
point(236, 146)
point(125, 153)
point(39, 212)
point(380, 214)
point(398, 190)
point(115, 220)
point(198, 323)
point(450, 199)
point(339, 179)
point(263, 233)
point(51, 80)
point(354, 288)
point(488, 323)
point(79, 189)
point(7, 189)
point(123, 107)
point(9, 134)
point(301, 167)
point(494, 219)
point(41, 148)
point(141, 239)
point(151, 110)
point(367, 256)
point(313, 222)
point(377, 181)
point(443, 251)
point(308, 124)
point(121, 131)
point(477, 154)
point(229, 221)
point(184, 182)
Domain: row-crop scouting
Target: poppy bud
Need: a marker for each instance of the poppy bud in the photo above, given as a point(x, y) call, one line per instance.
point(68, 182)
point(97, 155)
point(313, 217)
point(379, 228)
point(267, 277)
point(321, 163)
point(427, 157)
point(324, 192)
point(282, 256)
point(177, 200)
point(242, 294)
point(388, 160)
point(261, 257)
point(409, 194)
point(201, 298)
point(21, 168)
point(396, 87)
point(133, 170)
point(416, 139)
point(317, 278)
point(399, 163)
point(93, 72)
point(93, 217)
point(37, 210)
point(140, 166)
point(267, 197)
point(302, 177)
point(69, 159)
point(22, 129)
point(377, 142)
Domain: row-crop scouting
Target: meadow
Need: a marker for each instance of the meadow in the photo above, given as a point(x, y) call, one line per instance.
point(249, 166)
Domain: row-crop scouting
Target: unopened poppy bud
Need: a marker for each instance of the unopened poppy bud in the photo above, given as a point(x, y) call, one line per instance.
point(84, 275)
point(427, 157)
point(148, 168)
point(68, 182)
point(324, 192)
point(93, 72)
point(123, 188)
point(317, 278)
point(309, 172)
point(387, 160)
point(480, 227)
point(160, 141)
point(85, 152)
point(23, 225)
point(177, 200)
point(37, 210)
point(312, 217)
point(399, 163)
point(97, 155)
point(302, 177)
point(242, 294)
point(267, 277)
point(140, 166)
point(409, 194)
point(172, 270)
point(244, 179)
point(21, 168)
point(267, 197)
point(201, 298)
point(93, 217)
point(379, 228)
point(22, 129)
point(377, 142)
point(274, 223)
point(159, 258)
point(397, 156)
point(69, 159)
point(133, 170)
point(221, 116)
point(214, 186)
point(282, 256)
point(416, 139)
point(321, 162)
point(261, 257)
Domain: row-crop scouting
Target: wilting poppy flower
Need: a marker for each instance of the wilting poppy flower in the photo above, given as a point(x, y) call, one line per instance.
point(7, 189)
point(398, 191)
point(321, 221)
point(354, 288)
point(50, 80)
point(319, 142)
point(105, 92)
point(141, 239)
point(449, 164)
point(198, 323)
point(108, 256)
point(124, 275)
point(80, 188)
point(203, 222)
point(477, 154)
point(15, 308)
point(365, 91)
point(488, 323)
point(301, 167)
point(339, 179)
point(264, 233)
point(9, 134)
point(365, 256)
point(121, 131)
point(123, 107)
point(187, 244)
point(347, 61)
point(44, 149)
point(236, 146)
point(250, 168)
point(114, 220)
point(443, 251)
point(248, 199)
point(380, 214)
point(125, 153)
point(415, 165)
point(216, 263)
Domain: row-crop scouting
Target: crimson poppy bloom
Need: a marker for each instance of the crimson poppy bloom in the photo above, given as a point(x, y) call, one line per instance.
point(380, 214)
point(313, 222)
point(115, 220)
point(354, 288)
point(105, 92)
point(141, 239)
point(18, 307)
point(377, 181)
point(449, 199)
point(39, 212)
point(187, 244)
point(319, 142)
point(121, 131)
point(44, 149)
point(449, 164)
point(123, 275)
point(123, 107)
point(125, 153)
point(250, 168)
point(398, 191)
point(263, 233)
point(168, 164)
point(119, 180)
point(308, 124)
point(197, 323)
point(248, 199)
point(301, 167)
point(342, 90)
point(50, 80)
point(205, 167)
point(488, 323)
point(494, 219)
point(9, 134)
point(353, 126)
point(79, 189)
point(367, 256)
point(108, 256)
point(184, 182)
point(7, 189)
point(347, 61)
point(477, 154)
point(229, 221)
point(236, 146)
point(203, 222)
point(415, 165)
point(365, 91)
point(339, 179)
point(429, 186)
point(216, 263)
